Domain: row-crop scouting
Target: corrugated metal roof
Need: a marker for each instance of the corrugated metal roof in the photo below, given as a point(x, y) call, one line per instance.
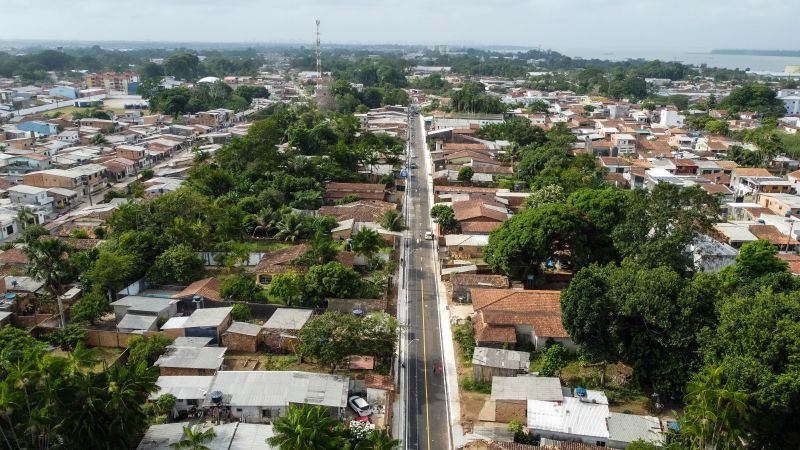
point(630, 427)
point(207, 317)
point(183, 387)
point(264, 388)
point(288, 319)
point(192, 357)
point(572, 416)
point(244, 328)
point(136, 322)
point(506, 359)
point(526, 388)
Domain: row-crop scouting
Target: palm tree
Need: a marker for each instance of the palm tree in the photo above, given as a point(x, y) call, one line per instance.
point(290, 228)
point(392, 220)
point(306, 428)
point(717, 413)
point(98, 139)
point(48, 261)
point(378, 440)
point(25, 217)
point(367, 242)
point(265, 221)
point(195, 439)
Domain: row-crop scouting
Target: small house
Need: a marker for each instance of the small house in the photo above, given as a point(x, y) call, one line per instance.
point(208, 322)
point(205, 290)
point(262, 396)
point(145, 306)
point(281, 330)
point(463, 282)
point(494, 362)
point(242, 337)
point(511, 395)
point(189, 391)
point(192, 361)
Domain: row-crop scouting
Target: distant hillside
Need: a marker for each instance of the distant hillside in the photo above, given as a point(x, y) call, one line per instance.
point(737, 51)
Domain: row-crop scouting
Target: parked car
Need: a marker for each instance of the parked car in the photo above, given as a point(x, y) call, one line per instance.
point(359, 405)
point(429, 235)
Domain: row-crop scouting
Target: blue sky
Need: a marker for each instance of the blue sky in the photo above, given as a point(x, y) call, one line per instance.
point(565, 25)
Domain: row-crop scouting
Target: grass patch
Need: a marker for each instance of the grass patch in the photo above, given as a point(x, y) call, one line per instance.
point(483, 387)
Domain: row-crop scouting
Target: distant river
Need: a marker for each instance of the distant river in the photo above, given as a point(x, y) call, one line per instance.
point(753, 62)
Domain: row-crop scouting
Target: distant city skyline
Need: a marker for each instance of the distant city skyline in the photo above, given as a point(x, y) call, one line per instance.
point(572, 27)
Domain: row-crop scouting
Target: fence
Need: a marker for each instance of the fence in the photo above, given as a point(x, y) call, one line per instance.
point(101, 338)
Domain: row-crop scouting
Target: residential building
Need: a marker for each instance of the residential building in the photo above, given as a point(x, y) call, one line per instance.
point(282, 328)
point(516, 316)
point(261, 396)
point(40, 128)
point(63, 91)
point(208, 322)
point(227, 436)
point(364, 191)
point(242, 337)
point(782, 204)
point(462, 283)
point(671, 118)
point(189, 391)
point(582, 418)
point(191, 361)
point(466, 246)
point(104, 125)
point(494, 362)
point(512, 394)
point(623, 144)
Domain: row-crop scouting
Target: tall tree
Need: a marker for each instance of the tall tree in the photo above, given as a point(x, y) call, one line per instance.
point(660, 224)
point(524, 243)
point(48, 261)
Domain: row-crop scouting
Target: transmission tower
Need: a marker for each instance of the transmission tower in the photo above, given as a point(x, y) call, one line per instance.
point(319, 54)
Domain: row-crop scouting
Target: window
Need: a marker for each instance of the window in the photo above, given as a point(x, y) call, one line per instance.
point(191, 402)
point(10, 230)
point(266, 413)
point(264, 279)
point(238, 409)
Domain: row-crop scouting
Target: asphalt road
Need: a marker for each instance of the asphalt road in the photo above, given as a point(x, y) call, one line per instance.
point(426, 403)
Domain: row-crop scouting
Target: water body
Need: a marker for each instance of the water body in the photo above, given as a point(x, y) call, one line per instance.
point(752, 62)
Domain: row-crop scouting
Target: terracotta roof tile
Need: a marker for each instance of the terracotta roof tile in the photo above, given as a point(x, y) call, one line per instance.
point(479, 208)
point(359, 211)
point(751, 172)
point(207, 288)
point(279, 261)
point(479, 227)
point(485, 333)
point(469, 279)
point(14, 256)
point(771, 234)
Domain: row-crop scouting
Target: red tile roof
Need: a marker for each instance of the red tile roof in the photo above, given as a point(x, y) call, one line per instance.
point(279, 261)
point(479, 208)
point(508, 307)
point(365, 191)
point(207, 288)
point(479, 227)
point(14, 256)
point(360, 211)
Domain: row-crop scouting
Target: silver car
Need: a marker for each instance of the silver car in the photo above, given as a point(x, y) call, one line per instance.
point(359, 405)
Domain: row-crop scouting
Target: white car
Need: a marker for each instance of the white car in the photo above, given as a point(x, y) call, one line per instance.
point(359, 405)
point(429, 235)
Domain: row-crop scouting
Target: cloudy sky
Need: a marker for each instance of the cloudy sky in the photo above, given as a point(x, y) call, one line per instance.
point(570, 26)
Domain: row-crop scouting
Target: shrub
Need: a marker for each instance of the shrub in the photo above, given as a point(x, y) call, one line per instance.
point(241, 313)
